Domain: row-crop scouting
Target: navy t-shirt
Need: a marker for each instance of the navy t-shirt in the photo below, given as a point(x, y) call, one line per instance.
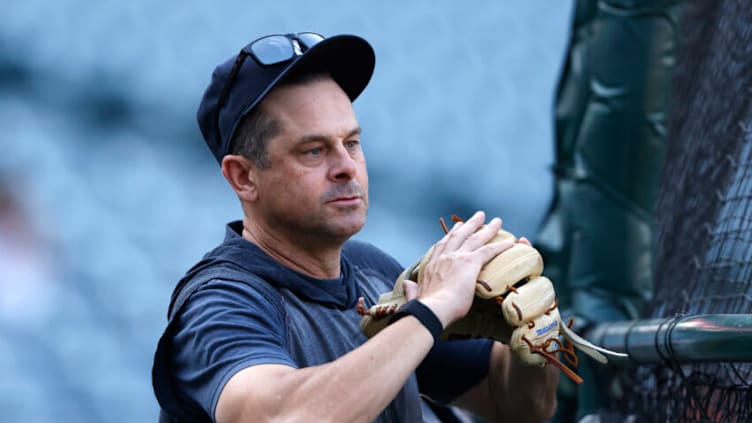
point(252, 310)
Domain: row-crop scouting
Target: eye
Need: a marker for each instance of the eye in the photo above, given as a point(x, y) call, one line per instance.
point(352, 144)
point(316, 151)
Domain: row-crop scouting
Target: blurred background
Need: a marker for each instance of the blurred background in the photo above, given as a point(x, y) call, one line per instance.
point(108, 193)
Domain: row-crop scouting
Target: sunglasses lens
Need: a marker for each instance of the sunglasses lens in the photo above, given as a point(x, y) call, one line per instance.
point(309, 39)
point(272, 49)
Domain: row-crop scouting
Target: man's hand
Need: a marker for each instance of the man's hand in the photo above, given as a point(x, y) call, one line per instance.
point(449, 276)
point(510, 301)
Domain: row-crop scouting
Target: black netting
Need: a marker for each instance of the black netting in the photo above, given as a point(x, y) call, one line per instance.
point(704, 215)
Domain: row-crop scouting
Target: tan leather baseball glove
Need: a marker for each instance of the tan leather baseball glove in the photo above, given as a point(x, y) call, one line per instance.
point(513, 304)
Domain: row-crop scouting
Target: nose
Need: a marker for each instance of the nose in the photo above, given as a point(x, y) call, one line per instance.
point(343, 166)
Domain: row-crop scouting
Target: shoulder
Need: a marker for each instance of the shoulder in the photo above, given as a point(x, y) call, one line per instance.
point(222, 279)
point(245, 294)
point(225, 326)
point(224, 292)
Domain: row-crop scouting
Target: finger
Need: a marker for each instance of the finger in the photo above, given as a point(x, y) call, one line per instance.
point(483, 235)
point(489, 251)
point(410, 288)
point(525, 241)
point(461, 231)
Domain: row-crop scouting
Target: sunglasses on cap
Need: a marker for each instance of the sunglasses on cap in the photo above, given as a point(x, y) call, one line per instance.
point(268, 51)
point(274, 49)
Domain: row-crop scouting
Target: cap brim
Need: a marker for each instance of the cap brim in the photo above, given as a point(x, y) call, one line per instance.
point(347, 58)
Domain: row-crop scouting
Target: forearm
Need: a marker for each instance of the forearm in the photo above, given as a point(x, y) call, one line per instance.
point(354, 388)
point(512, 392)
point(527, 393)
point(358, 386)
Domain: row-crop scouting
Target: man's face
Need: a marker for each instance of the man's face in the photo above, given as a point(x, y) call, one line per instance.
point(316, 187)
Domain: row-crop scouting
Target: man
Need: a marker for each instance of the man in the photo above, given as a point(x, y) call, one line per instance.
point(265, 327)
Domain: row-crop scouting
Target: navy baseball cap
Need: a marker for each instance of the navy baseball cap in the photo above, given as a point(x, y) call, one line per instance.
point(241, 83)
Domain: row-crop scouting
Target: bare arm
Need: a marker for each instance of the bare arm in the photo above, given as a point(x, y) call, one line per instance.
point(512, 392)
point(354, 388)
point(360, 384)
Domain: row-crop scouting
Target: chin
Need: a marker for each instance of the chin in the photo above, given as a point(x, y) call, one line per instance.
point(351, 225)
point(354, 228)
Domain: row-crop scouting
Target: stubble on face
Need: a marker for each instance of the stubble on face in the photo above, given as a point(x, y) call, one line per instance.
point(313, 203)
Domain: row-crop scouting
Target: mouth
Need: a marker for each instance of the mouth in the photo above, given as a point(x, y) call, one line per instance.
point(350, 195)
point(348, 200)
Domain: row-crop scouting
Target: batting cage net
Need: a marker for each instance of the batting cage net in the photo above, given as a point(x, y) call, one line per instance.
point(717, 281)
point(649, 236)
point(703, 262)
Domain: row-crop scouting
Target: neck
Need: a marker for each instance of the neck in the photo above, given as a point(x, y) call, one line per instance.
point(316, 260)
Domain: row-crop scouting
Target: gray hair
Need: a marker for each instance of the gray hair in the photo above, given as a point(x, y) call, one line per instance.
point(258, 126)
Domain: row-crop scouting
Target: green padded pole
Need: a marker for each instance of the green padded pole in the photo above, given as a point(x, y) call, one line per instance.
point(611, 105)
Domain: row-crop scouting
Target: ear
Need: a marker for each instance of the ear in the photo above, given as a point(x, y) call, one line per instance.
point(238, 172)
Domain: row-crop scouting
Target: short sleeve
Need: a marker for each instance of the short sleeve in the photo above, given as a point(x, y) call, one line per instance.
point(225, 327)
point(453, 367)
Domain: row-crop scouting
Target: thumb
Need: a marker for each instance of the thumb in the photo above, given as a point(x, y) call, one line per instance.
point(411, 289)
